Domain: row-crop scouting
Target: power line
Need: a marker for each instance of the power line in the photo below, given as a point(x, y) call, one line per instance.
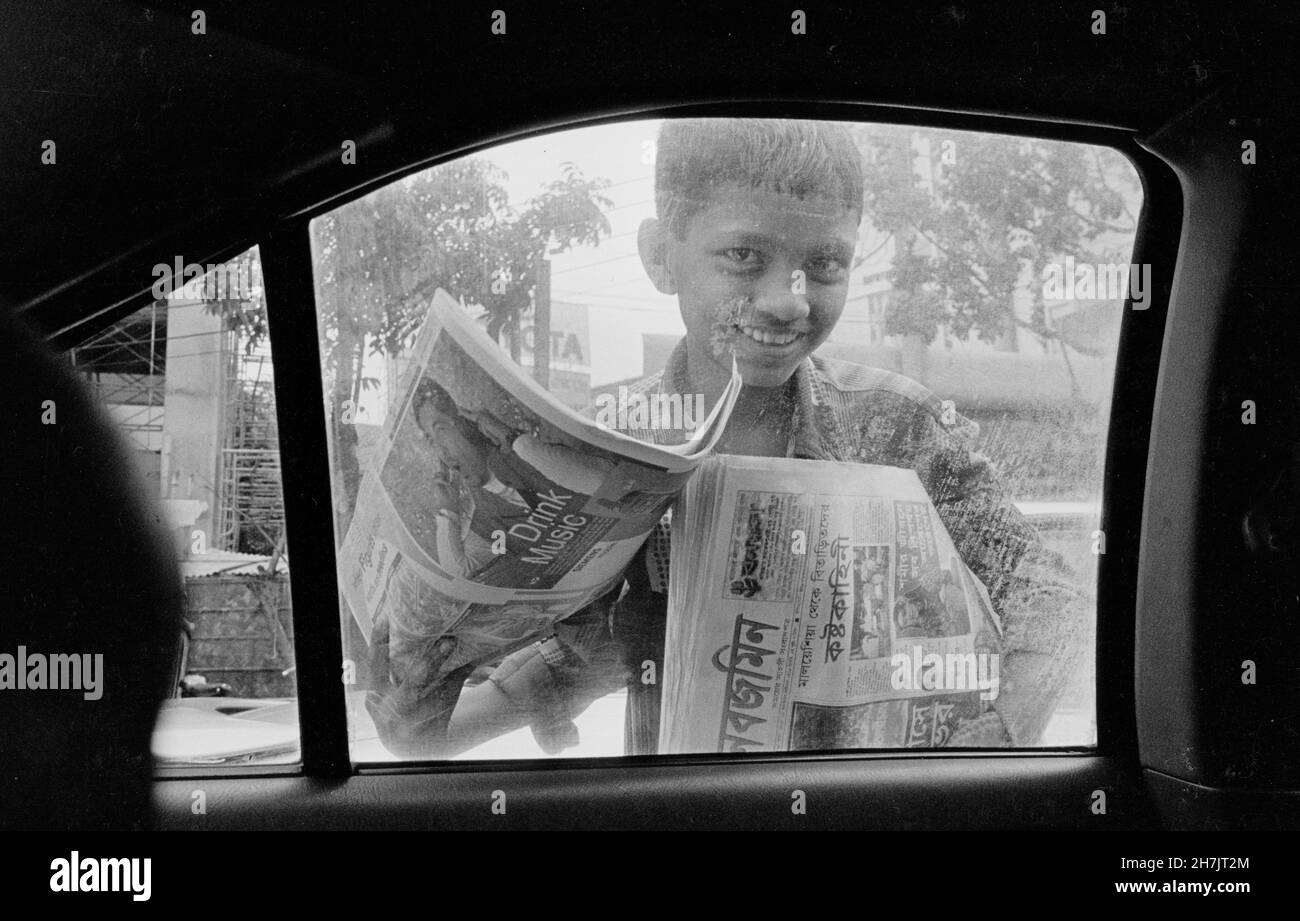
point(589, 265)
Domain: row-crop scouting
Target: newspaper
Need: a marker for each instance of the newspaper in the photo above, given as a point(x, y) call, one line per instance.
point(819, 605)
point(488, 510)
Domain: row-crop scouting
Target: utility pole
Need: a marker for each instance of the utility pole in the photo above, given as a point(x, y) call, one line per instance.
point(542, 324)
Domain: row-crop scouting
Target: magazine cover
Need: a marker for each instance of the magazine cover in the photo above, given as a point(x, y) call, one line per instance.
point(489, 509)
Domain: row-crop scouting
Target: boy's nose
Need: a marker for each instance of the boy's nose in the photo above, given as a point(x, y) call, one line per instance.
point(780, 304)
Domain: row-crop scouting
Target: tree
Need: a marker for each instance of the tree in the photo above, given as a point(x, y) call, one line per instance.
point(993, 210)
point(379, 260)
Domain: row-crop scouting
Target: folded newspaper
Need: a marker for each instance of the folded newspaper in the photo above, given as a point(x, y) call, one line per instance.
point(489, 510)
point(819, 605)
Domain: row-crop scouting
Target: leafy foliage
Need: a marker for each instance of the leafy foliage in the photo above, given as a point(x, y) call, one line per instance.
point(979, 218)
point(380, 258)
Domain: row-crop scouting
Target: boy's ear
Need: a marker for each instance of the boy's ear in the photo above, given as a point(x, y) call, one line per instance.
point(652, 243)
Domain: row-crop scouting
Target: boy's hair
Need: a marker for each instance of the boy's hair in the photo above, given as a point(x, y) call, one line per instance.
point(694, 156)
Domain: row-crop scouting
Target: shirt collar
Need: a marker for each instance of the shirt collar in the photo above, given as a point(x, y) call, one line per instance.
point(818, 434)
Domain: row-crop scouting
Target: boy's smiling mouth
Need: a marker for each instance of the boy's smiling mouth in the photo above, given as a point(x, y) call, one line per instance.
point(736, 324)
point(768, 336)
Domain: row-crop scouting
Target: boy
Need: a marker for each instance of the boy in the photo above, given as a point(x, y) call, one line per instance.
point(755, 234)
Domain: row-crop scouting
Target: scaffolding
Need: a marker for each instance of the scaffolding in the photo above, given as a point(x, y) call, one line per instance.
point(125, 368)
point(251, 501)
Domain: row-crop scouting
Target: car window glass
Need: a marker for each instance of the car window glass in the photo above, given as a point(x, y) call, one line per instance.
point(937, 302)
point(189, 381)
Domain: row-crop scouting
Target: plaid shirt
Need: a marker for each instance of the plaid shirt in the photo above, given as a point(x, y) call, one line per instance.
point(841, 412)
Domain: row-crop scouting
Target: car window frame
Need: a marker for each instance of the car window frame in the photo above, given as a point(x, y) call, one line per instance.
point(288, 275)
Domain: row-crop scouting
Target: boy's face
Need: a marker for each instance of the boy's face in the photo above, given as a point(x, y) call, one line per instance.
point(760, 274)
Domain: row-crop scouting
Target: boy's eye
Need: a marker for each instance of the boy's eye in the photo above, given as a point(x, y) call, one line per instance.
point(827, 267)
point(743, 256)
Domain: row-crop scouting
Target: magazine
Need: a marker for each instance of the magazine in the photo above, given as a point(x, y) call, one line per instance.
point(816, 605)
point(488, 510)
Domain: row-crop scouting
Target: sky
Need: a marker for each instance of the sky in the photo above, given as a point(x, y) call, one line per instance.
point(609, 278)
